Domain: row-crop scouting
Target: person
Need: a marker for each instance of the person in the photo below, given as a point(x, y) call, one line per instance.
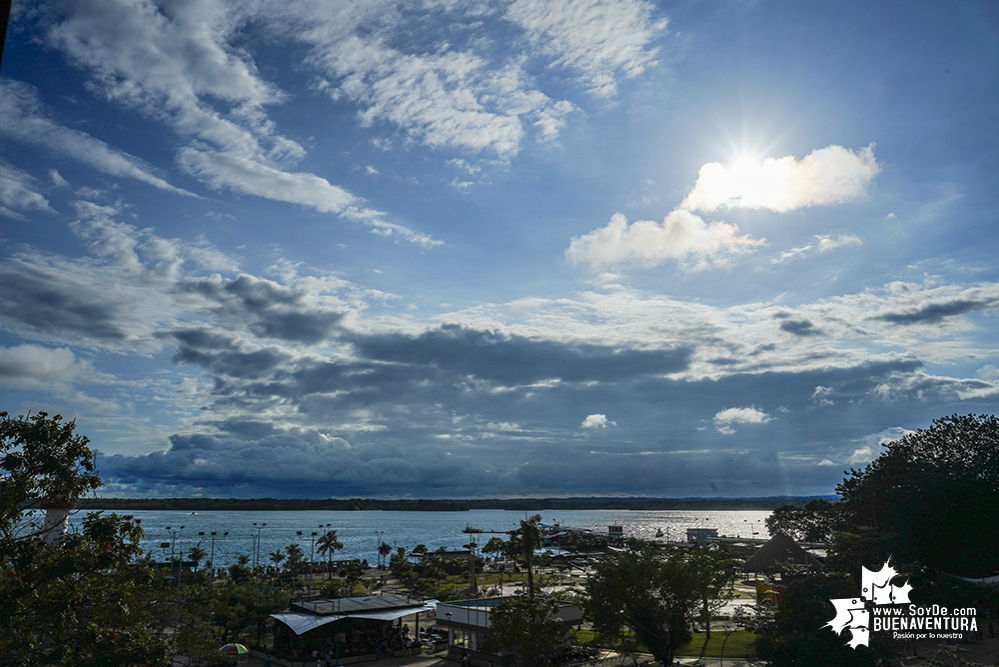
point(466, 660)
point(268, 661)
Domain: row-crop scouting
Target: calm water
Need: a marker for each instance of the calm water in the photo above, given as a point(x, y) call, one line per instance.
point(360, 531)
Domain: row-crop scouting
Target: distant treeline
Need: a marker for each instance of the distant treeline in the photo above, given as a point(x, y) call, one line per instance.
point(426, 505)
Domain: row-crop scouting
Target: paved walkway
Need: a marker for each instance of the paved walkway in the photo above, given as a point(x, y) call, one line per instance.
point(387, 661)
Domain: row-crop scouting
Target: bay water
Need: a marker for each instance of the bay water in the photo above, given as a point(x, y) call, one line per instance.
point(238, 532)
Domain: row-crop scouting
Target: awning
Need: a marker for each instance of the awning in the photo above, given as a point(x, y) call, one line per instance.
point(392, 614)
point(301, 623)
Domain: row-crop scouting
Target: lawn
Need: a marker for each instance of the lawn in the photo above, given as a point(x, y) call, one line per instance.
point(738, 645)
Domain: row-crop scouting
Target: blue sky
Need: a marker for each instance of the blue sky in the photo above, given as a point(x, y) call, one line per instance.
point(448, 249)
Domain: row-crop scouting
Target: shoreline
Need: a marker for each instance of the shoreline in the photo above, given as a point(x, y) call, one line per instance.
point(443, 505)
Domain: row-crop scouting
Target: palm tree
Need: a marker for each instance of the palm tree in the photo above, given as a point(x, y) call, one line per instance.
point(383, 551)
point(196, 554)
point(530, 541)
point(328, 544)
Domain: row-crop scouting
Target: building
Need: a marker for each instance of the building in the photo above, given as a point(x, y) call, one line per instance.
point(467, 623)
point(355, 627)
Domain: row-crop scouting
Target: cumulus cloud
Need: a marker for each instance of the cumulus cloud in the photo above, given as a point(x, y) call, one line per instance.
point(682, 235)
point(829, 243)
point(724, 419)
point(596, 421)
point(830, 175)
point(36, 367)
point(861, 456)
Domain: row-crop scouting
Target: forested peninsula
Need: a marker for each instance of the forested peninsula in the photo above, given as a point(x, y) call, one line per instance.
point(443, 505)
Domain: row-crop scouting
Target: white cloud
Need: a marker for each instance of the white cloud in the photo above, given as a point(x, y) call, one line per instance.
point(596, 421)
point(724, 419)
point(57, 179)
point(830, 175)
point(821, 395)
point(826, 176)
point(17, 193)
point(828, 243)
point(24, 121)
point(40, 368)
point(681, 235)
point(597, 38)
point(177, 64)
point(861, 456)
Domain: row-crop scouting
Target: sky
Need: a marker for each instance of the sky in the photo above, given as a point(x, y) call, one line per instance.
point(507, 248)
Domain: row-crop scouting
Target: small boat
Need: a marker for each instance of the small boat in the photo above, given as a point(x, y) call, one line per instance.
point(659, 533)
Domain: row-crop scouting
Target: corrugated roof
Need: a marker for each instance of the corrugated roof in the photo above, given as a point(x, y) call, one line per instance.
point(368, 603)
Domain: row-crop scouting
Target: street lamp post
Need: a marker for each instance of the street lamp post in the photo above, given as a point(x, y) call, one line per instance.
point(378, 545)
point(256, 555)
point(211, 559)
point(173, 560)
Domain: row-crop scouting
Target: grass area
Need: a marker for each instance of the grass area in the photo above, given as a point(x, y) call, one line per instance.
point(625, 642)
point(739, 644)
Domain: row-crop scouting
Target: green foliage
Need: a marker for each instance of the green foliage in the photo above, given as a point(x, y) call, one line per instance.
point(235, 606)
point(496, 546)
point(798, 636)
point(523, 543)
point(240, 571)
point(815, 522)
point(41, 458)
point(383, 551)
point(86, 599)
point(934, 492)
point(328, 544)
point(528, 627)
point(654, 593)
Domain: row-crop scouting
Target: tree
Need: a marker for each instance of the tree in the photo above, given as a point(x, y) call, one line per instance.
point(795, 633)
point(240, 571)
point(328, 544)
point(713, 572)
point(384, 550)
point(653, 593)
point(350, 574)
point(42, 459)
point(496, 546)
point(934, 492)
point(276, 557)
point(815, 522)
point(295, 562)
point(196, 554)
point(523, 543)
point(84, 598)
point(530, 628)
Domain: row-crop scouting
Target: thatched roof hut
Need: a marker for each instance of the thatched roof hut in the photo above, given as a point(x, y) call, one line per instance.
point(780, 549)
